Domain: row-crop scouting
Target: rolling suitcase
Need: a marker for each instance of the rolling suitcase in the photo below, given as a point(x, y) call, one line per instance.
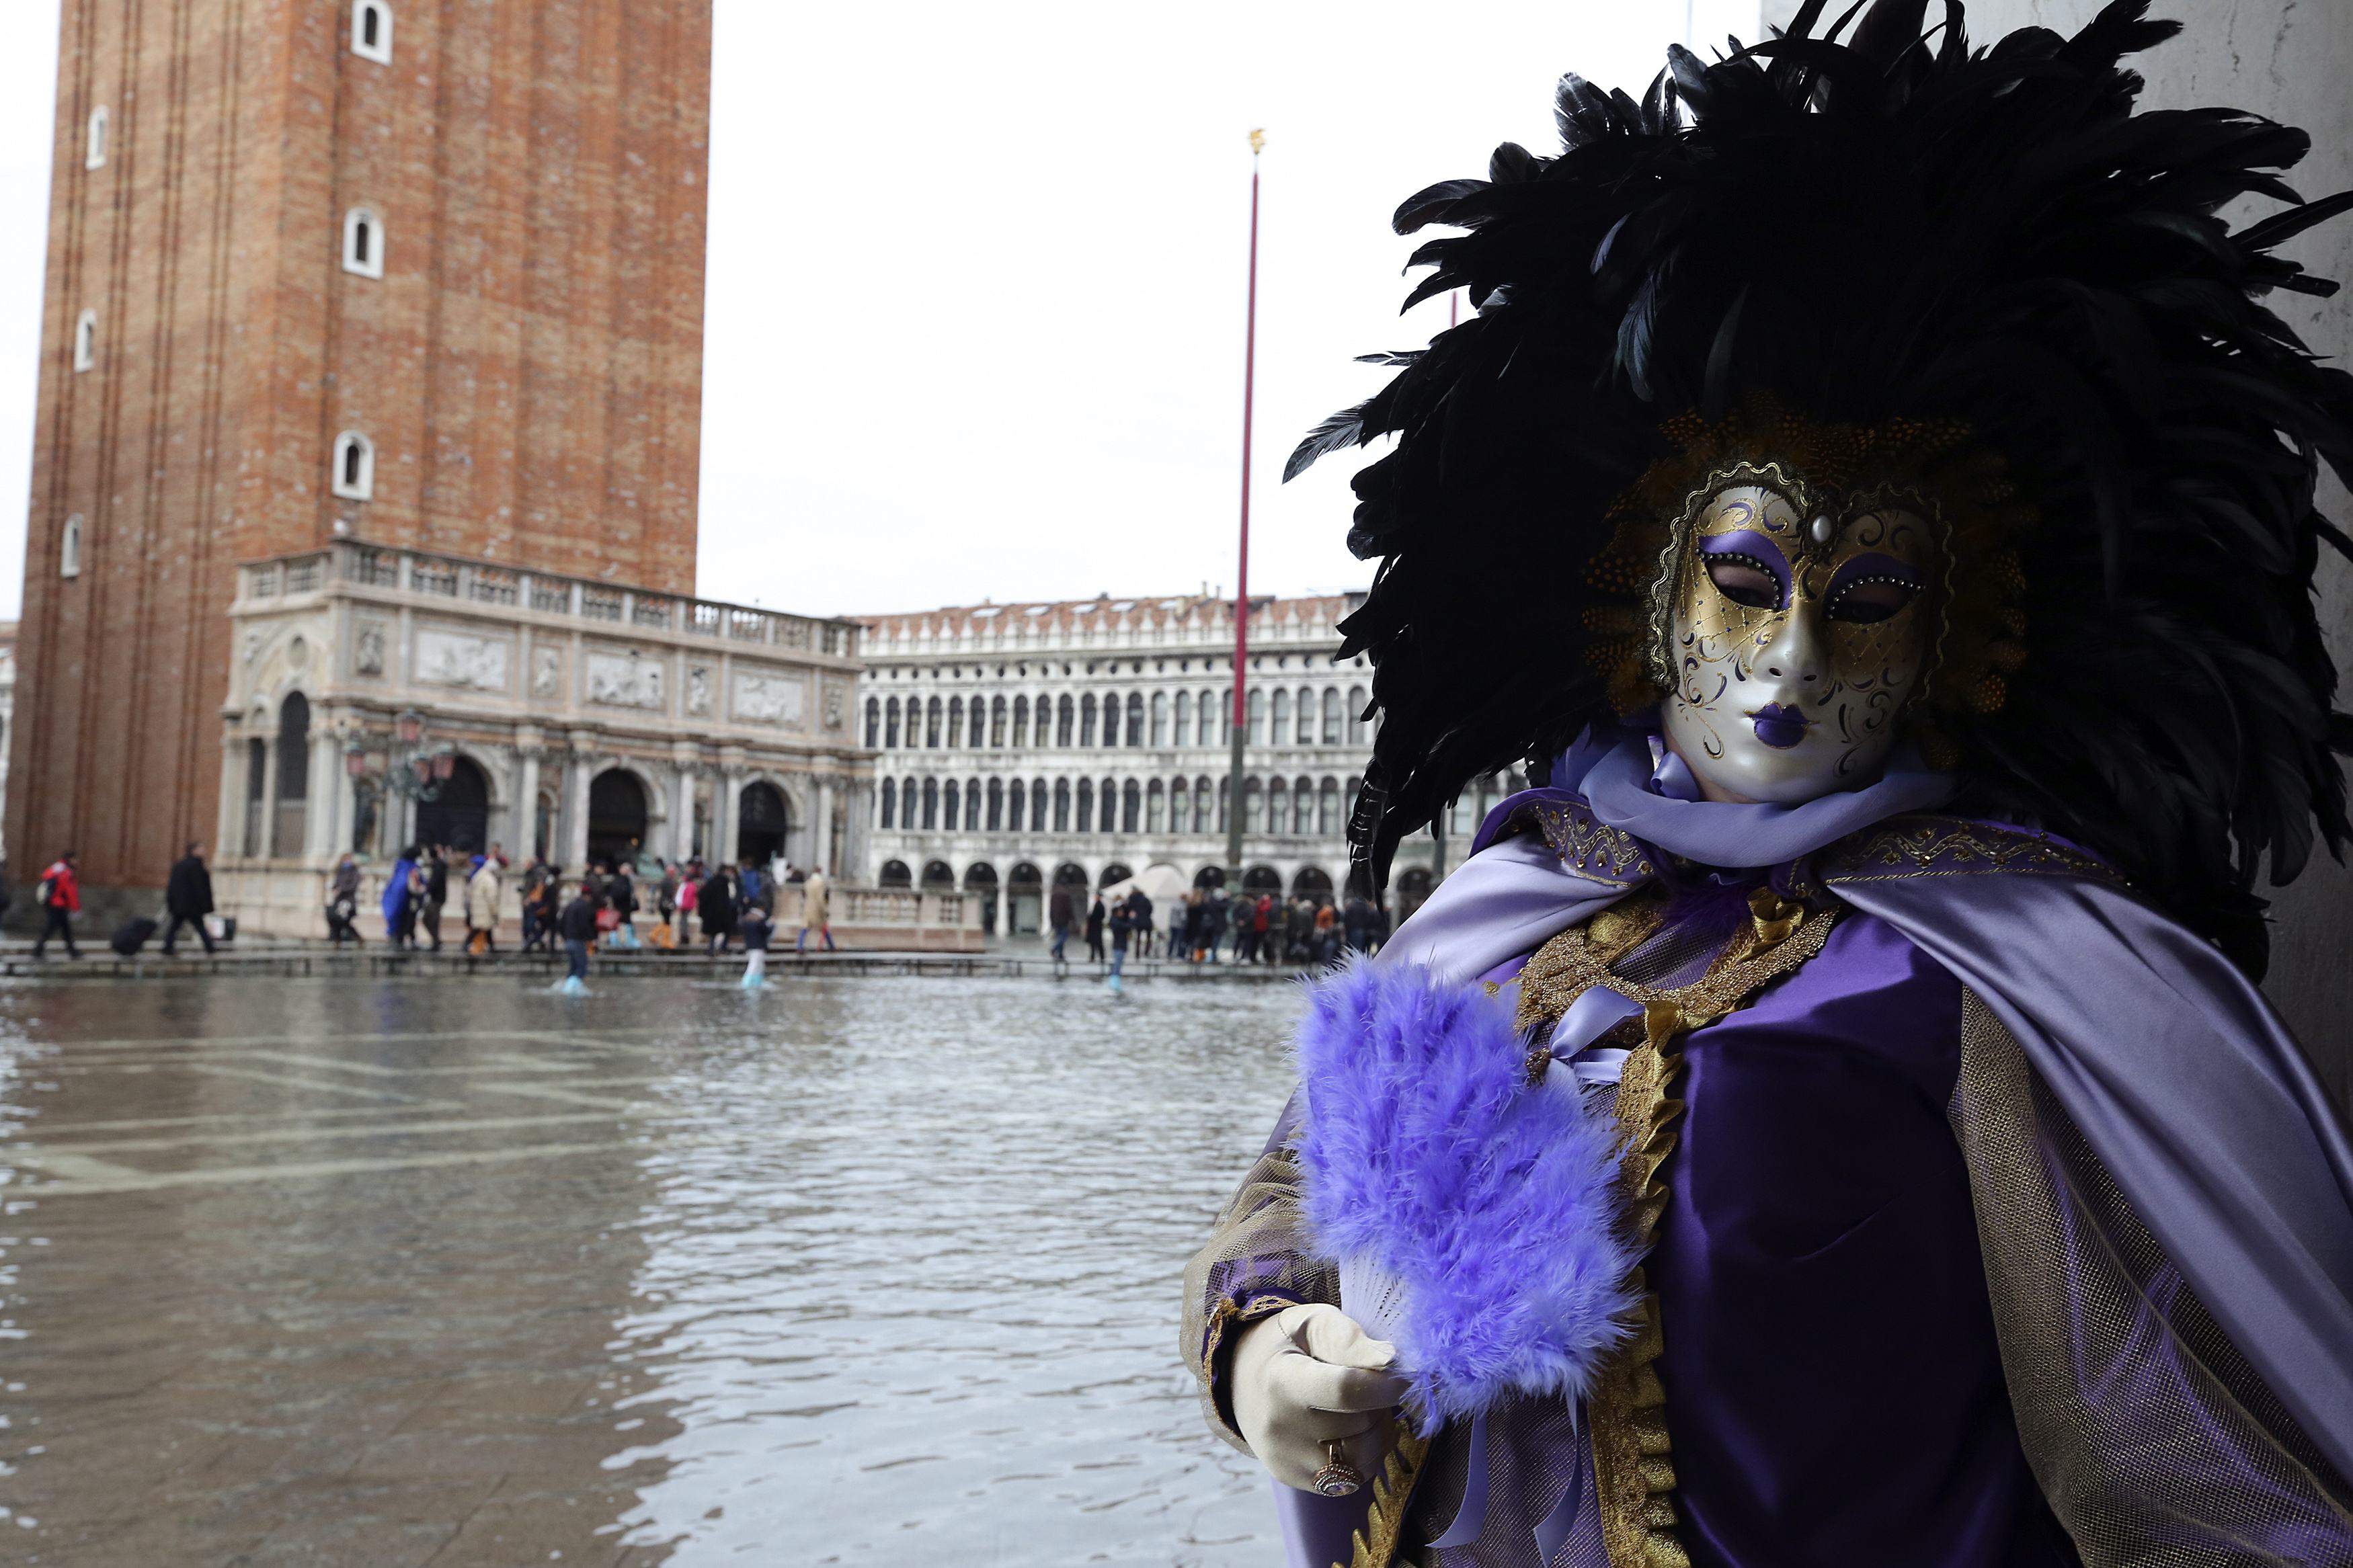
point(132, 935)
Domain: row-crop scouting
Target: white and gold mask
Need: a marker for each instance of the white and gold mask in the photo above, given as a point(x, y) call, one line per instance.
point(1797, 628)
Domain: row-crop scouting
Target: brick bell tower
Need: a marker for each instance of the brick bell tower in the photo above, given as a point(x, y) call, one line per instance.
point(424, 274)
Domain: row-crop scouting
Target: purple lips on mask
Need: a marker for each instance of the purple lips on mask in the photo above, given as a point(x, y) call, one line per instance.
point(1781, 726)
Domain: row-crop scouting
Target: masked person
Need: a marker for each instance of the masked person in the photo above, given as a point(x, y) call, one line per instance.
point(1831, 1120)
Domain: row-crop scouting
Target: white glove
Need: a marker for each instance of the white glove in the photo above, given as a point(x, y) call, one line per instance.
point(1309, 1376)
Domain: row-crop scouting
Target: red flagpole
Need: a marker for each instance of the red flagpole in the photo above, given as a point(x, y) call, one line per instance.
point(1241, 576)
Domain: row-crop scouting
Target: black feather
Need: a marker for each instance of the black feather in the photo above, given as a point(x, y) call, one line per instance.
point(1988, 234)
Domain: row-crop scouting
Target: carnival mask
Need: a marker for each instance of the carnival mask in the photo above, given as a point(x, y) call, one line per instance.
point(1798, 628)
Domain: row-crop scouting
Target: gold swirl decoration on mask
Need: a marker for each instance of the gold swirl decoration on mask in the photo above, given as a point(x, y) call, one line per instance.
point(1968, 486)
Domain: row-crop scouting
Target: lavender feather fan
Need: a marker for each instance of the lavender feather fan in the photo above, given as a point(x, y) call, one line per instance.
point(1493, 1205)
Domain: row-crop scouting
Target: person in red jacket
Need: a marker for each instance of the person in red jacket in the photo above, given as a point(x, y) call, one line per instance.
point(60, 901)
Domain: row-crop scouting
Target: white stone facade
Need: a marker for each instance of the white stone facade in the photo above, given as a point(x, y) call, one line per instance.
point(581, 714)
point(1041, 679)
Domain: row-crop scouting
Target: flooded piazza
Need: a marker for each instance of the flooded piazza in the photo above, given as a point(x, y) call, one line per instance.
point(455, 1272)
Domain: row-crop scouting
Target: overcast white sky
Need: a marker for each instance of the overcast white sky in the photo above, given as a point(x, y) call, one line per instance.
point(973, 325)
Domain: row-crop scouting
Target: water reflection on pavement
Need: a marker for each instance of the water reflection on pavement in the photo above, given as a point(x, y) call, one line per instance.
point(455, 1272)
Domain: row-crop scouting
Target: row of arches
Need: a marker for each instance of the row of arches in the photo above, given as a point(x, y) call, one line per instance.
point(1161, 720)
point(1023, 889)
point(278, 786)
point(1302, 806)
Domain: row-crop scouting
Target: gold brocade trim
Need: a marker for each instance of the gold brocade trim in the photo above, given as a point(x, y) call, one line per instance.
point(1591, 847)
point(1375, 1545)
point(1909, 847)
point(1633, 1468)
point(1229, 1315)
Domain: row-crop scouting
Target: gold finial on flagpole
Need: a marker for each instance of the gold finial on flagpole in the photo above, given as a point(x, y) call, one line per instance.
point(1257, 142)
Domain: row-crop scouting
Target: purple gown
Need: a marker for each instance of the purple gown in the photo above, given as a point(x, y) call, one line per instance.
point(1862, 1359)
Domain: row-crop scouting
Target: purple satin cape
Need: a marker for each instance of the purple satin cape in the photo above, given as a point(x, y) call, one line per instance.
point(2171, 1063)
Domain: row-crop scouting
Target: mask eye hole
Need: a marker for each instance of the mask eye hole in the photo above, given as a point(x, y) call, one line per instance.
point(1744, 581)
point(1871, 601)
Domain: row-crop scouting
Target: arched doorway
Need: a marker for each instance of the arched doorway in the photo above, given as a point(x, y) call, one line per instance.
point(458, 815)
point(1070, 873)
point(1262, 879)
point(760, 824)
point(1025, 895)
point(894, 874)
point(291, 819)
point(980, 880)
point(617, 817)
point(1209, 877)
point(1312, 882)
point(1114, 872)
point(1412, 890)
point(937, 875)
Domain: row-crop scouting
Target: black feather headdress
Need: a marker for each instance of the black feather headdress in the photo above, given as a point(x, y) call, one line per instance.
point(1879, 227)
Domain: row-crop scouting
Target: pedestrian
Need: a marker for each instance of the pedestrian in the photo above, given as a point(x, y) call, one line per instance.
point(621, 897)
point(400, 900)
point(188, 898)
point(1327, 940)
point(436, 892)
point(754, 929)
point(1061, 910)
point(1299, 931)
point(749, 885)
point(1264, 930)
point(1188, 932)
point(1095, 932)
point(343, 901)
point(550, 906)
point(716, 905)
point(1140, 922)
point(577, 926)
point(1243, 912)
point(817, 911)
point(689, 889)
point(1123, 926)
point(60, 896)
point(665, 894)
point(1213, 921)
point(1357, 924)
point(482, 907)
point(534, 877)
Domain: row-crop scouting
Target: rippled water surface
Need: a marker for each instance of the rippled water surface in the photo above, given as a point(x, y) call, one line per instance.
point(858, 1270)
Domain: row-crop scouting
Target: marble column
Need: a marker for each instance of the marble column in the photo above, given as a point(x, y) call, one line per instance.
point(576, 804)
point(726, 810)
point(526, 811)
point(827, 854)
point(682, 813)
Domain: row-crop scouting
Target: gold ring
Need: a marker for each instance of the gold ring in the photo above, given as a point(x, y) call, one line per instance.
point(1337, 1477)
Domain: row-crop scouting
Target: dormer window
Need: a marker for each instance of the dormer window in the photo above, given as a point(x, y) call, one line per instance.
point(363, 243)
point(86, 341)
point(94, 151)
point(371, 31)
point(354, 475)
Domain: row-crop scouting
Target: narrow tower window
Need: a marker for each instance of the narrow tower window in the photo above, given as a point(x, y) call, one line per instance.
point(94, 156)
point(69, 548)
point(362, 243)
point(371, 31)
point(86, 341)
point(354, 470)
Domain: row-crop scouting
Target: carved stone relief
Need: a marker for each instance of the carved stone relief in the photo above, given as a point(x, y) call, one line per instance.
point(698, 690)
point(547, 671)
point(367, 648)
point(453, 658)
point(833, 707)
point(767, 699)
point(625, 681)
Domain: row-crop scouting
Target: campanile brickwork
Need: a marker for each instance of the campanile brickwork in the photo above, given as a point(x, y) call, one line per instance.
point(528, 367)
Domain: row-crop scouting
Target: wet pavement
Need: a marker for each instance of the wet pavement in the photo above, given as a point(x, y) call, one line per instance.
point(454, 1272)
